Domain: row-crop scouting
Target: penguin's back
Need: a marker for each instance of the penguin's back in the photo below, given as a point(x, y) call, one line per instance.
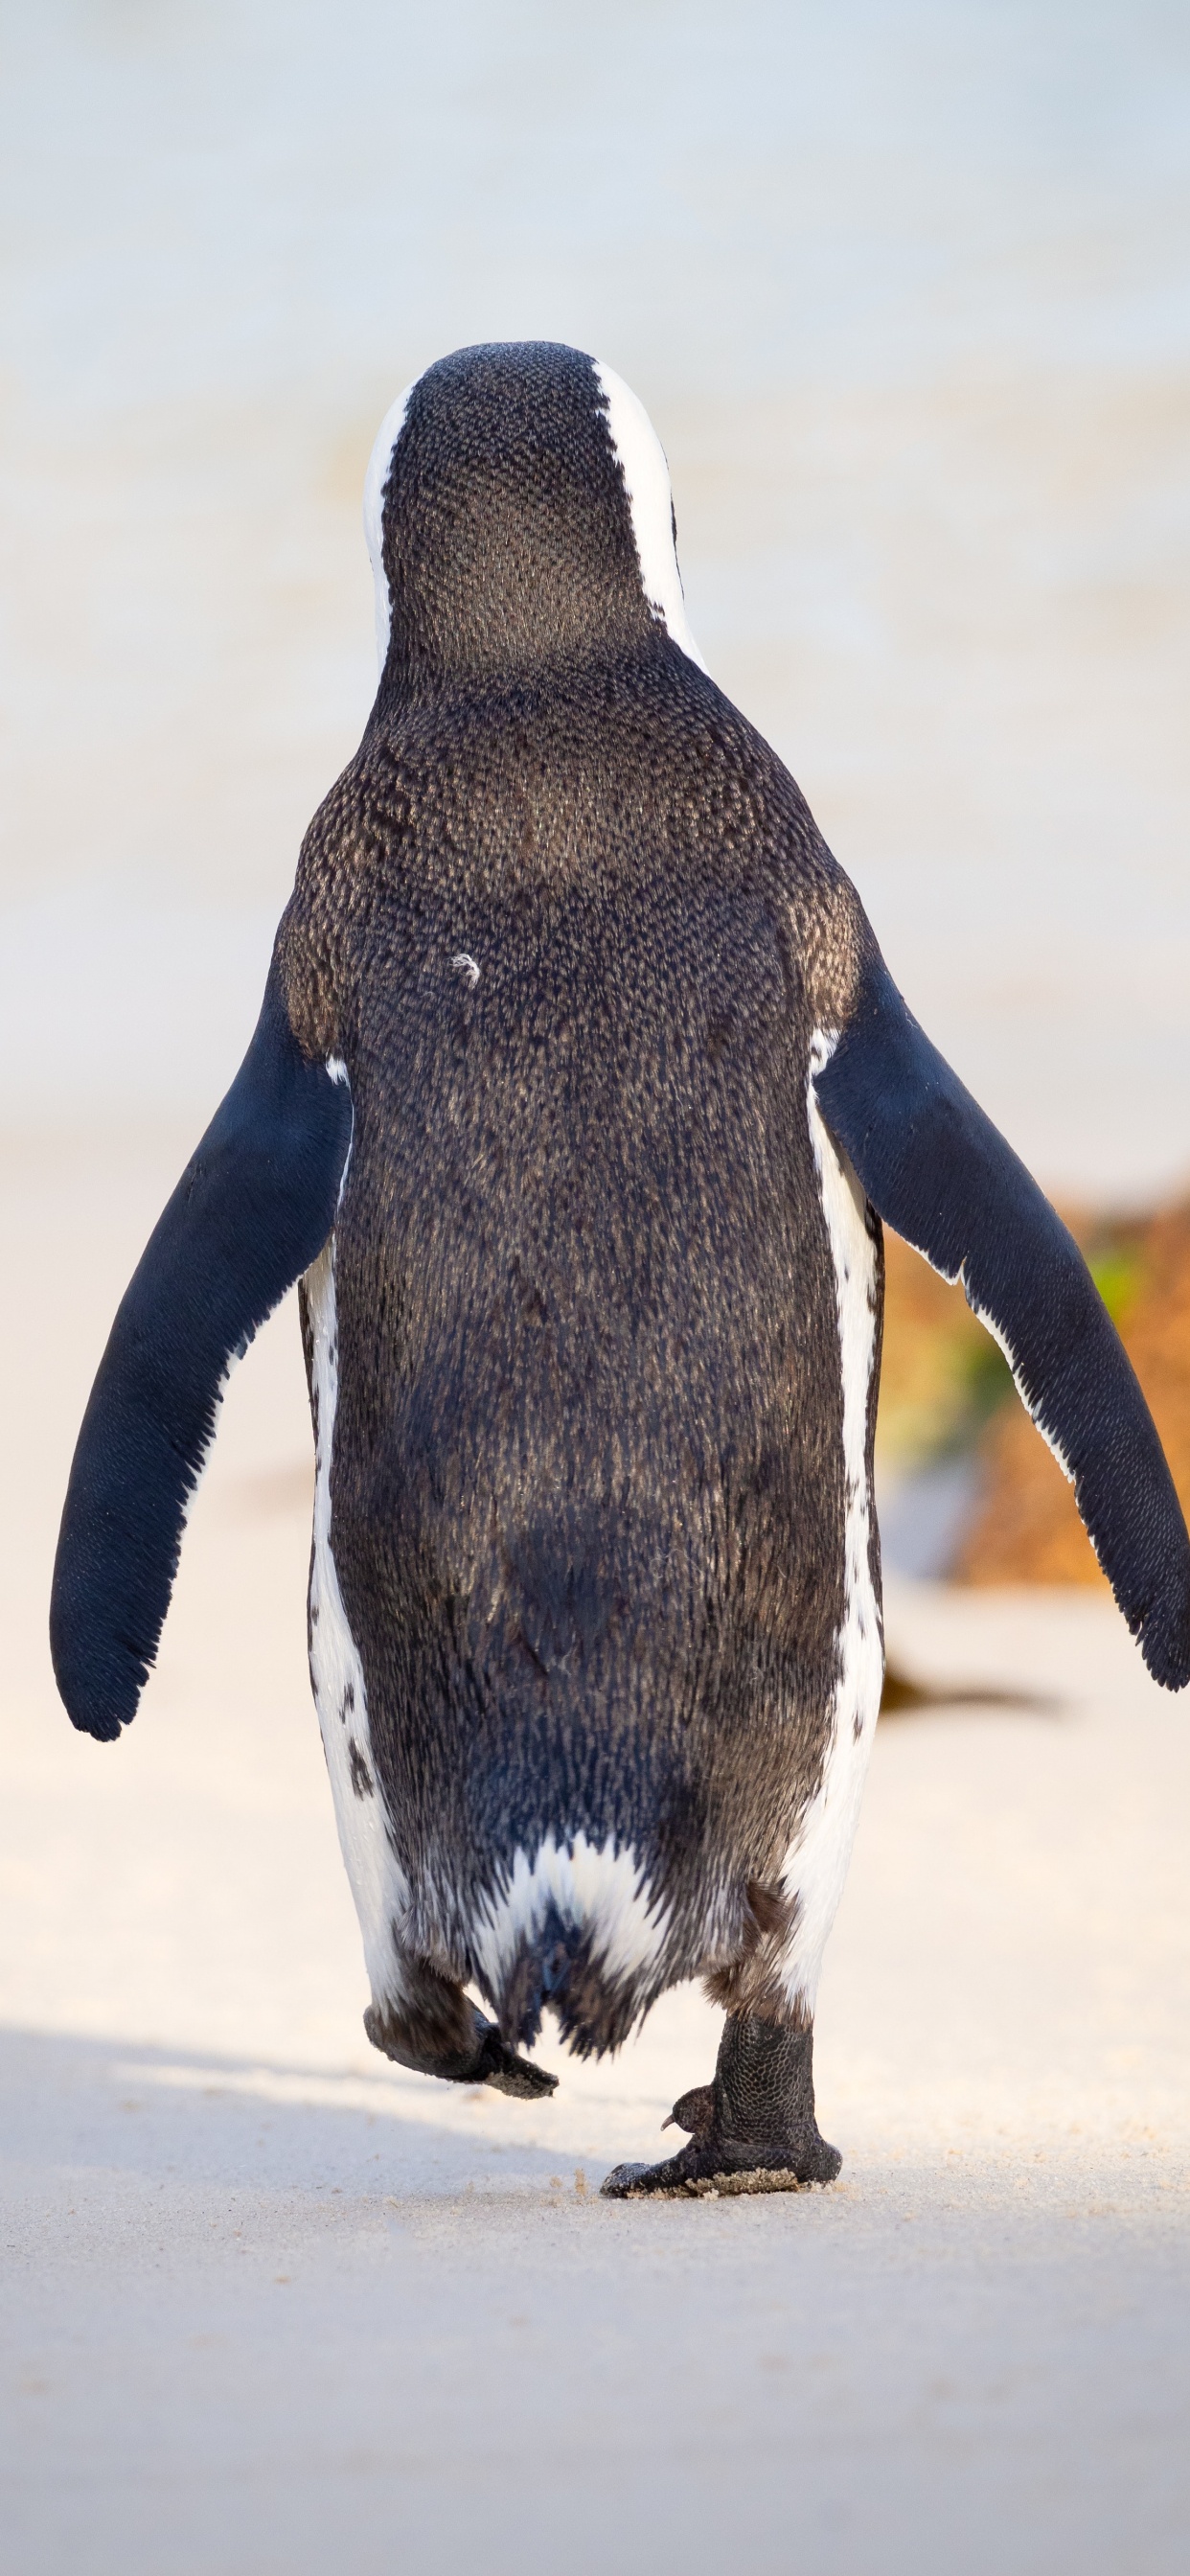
point(588, 1487)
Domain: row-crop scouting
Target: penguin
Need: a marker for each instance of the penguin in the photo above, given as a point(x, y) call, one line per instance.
point(579, 1096)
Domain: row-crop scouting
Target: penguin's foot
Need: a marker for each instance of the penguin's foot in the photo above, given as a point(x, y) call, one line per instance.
point(753, 2129)
point(462, 2048)
point(495, 2063)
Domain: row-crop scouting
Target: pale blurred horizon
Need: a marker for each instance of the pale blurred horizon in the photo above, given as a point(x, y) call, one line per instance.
point(907, 293)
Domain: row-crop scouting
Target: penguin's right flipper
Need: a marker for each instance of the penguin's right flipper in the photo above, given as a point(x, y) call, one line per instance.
point(251, 1212)
point(943, 1176)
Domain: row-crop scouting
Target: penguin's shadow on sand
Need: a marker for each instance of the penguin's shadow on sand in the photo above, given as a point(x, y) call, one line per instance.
point(84, 2119)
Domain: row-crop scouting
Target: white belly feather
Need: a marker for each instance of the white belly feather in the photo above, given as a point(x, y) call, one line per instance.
point(377, 1880)
point(816, 1863)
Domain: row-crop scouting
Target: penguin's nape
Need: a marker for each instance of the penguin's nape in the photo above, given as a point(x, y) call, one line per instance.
point(518, 515)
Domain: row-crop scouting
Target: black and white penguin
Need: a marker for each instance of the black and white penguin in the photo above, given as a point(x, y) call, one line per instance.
point(577, 1098)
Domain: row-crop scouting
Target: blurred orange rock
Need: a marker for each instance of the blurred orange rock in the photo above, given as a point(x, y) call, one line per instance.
point(1027, 1529)
point(939, 1373)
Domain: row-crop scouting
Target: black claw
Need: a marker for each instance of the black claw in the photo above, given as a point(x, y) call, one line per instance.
point(499, 2065)
point(618, 2184)
point(694, 2111)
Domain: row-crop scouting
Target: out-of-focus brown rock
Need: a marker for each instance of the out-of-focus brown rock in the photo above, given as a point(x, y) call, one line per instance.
point(1028, 1530)
point(938, 1364)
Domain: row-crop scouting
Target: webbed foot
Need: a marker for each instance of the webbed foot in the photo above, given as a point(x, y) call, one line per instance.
point(497, 2064)
point(470, 2052)
point(752, 2130)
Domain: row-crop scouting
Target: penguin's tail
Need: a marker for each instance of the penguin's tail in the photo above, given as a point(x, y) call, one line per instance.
point(578, 1935)
point(555, 1968)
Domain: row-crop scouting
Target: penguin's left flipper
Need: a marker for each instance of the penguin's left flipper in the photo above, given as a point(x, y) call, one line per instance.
point(935, 1167)
point(251, 1212)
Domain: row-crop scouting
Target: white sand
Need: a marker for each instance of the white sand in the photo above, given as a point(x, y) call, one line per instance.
point(271, 2305)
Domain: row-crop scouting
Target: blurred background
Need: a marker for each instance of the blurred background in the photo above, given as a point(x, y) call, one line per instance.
point(906, 290)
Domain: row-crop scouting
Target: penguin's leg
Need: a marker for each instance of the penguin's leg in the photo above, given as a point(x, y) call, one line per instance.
point(752, 2129)
point(432, 2026)
point(418, 2016)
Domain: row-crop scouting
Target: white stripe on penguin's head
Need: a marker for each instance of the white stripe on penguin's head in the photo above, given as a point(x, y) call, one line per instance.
point(642, 463)
point(375, 479)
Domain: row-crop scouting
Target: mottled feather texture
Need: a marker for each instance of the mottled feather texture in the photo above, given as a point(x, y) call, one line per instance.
point(588, 1489)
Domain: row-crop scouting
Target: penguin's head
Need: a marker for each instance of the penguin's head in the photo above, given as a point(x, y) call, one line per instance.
point(518, 513)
